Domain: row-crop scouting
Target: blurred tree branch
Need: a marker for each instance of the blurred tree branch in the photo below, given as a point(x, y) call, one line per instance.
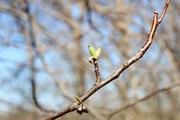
point(146, 97)
point(32, 56)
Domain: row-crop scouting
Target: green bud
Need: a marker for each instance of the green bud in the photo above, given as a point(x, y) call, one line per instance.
point(92, 51)
point(98, 52)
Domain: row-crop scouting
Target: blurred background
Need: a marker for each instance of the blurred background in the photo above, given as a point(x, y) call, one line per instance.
point(44, 58)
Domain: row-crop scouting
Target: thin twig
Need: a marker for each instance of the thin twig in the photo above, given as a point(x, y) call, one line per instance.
point(164, 11)
point(96, 69)
point(116, 74)
point(148, 96)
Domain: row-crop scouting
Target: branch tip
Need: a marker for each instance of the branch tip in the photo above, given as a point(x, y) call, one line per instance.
point(164, 11)
point(156, 12)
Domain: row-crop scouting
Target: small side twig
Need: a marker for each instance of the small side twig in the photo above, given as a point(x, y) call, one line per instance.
point(96, 69)
point(164, 11)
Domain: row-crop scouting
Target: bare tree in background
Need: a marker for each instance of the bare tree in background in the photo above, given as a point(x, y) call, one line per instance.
point(52, 38)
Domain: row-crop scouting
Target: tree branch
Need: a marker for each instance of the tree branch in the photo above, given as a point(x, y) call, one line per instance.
point(116, 74)
point(33, 54)
point(148, 96)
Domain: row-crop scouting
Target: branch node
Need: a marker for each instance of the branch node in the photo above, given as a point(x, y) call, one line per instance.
point(82, 109)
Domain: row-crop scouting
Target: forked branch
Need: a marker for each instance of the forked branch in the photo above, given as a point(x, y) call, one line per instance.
point(156, 21)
